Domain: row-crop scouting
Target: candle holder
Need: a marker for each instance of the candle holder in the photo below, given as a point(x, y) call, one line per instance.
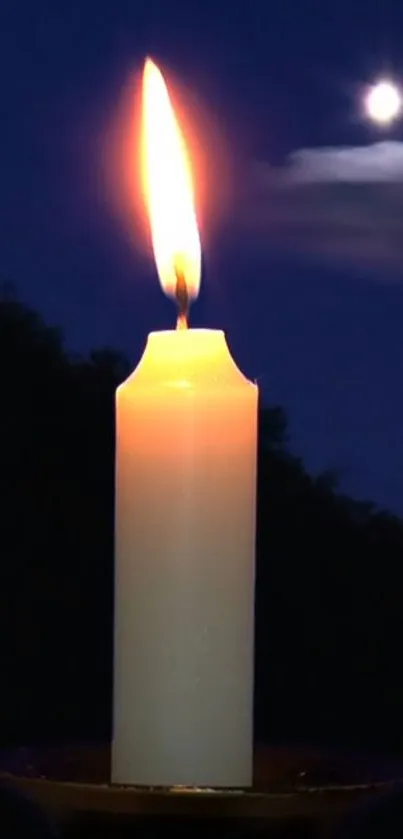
point(297, 792)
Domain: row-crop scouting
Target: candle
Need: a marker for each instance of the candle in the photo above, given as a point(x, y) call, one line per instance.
point(185, 518)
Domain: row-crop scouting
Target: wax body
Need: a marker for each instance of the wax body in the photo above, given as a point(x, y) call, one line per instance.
point(186, 443)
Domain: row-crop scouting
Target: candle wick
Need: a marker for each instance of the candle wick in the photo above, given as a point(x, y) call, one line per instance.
point(182, 300)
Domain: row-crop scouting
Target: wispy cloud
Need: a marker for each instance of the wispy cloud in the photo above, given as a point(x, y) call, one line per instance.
point(379, 163)
point(343, 205)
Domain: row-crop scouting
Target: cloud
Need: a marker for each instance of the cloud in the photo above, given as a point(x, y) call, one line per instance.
point(380, 163)
point(342, 205)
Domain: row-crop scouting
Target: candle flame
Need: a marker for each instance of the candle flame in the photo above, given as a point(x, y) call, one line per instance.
point(168, 189)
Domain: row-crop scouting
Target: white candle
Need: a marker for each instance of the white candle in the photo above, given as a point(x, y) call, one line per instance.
point(185, 534)
point(185, 518)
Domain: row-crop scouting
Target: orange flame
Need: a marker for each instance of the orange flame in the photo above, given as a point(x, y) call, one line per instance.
point(168, 188)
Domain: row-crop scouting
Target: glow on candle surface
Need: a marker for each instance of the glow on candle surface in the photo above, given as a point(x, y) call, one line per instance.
point(186, 442)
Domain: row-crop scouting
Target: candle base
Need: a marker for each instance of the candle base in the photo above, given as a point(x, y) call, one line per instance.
point(303, 792)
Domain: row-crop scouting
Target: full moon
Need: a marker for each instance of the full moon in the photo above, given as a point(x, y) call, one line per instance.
point(383, 102)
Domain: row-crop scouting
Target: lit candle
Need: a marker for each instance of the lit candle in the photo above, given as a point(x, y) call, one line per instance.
point(185, 517)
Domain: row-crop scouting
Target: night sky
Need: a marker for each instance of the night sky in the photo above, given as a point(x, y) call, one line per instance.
point(303, 270)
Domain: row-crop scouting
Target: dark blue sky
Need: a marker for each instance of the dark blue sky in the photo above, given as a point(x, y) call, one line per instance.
point(323, 339)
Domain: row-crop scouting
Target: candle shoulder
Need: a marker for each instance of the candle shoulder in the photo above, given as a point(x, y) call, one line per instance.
point(187, 359)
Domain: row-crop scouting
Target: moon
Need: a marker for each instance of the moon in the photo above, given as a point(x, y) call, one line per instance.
point(383, 102)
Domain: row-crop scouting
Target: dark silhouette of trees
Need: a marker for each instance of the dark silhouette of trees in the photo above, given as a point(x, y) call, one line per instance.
point(328, 607)
point(57, 430)
point(329, 616)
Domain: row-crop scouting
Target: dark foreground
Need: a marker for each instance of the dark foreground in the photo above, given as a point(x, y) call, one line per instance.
point(297, 793)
